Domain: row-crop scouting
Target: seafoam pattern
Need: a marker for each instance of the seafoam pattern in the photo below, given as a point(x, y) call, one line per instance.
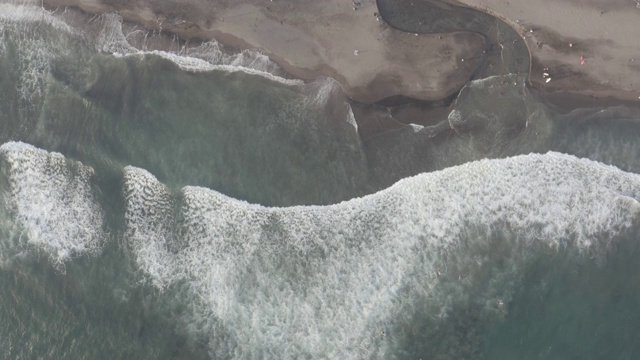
point(53, 200)
point(207, 57)
point(151, 238)
point(327, 281)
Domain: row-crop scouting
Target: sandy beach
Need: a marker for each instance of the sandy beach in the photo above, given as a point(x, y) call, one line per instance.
point(586, 47)
point(319, 179)
point(583, 48)
point(309, 39)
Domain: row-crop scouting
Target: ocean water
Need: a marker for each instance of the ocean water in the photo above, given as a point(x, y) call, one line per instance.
point(160, 200)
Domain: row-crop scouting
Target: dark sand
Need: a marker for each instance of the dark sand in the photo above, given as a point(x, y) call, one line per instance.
point(606, 33)
point(310, 38)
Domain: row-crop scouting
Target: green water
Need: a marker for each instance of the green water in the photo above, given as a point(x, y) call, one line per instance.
point(130, 243)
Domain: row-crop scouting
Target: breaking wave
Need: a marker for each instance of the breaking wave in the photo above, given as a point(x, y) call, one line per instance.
point(370, 277)
point(209, 56)
point(52, 201)
point(107, 35)
point(342, 281)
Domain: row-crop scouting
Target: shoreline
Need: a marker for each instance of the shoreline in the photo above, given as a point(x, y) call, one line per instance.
point(587, 49)
point(371, 60)
point(390, 68)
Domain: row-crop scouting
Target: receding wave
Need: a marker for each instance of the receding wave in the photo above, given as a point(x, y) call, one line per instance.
point(151, 238)
point(209, 56)
point(296, 134)
point(52, 200)
point(340, 281)
point(109, 37)
point(423, 267)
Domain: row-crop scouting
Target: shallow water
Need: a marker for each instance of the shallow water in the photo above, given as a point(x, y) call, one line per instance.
point(130, 225)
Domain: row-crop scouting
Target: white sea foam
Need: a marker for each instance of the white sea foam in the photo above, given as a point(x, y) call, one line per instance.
point(30, 11)
point(204, 58)
point(105, 33)
point(149, 238)
point(493, 80)
point(33, 62)
point(109, 38)
point(38, 39)
point(192, 64)
point(254, 59)
point(53, 200)
point(416, 128)
point(3, 47)
point(323, 89)
point(325, 93)
point(326, 281)
point(454, 118)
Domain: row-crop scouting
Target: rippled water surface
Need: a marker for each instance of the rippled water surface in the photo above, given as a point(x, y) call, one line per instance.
point(196, 204)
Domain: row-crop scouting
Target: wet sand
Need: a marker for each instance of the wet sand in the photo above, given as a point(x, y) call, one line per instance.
point(344, 40)
point(308, 39)
point(559, 33)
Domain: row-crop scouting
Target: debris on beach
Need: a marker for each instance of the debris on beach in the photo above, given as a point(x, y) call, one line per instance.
point(581, 60)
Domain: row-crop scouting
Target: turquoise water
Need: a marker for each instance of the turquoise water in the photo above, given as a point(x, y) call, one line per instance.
point(197, 205)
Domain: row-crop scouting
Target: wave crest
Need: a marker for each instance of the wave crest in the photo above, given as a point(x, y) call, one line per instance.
point(325, 281)
point(53, 200)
